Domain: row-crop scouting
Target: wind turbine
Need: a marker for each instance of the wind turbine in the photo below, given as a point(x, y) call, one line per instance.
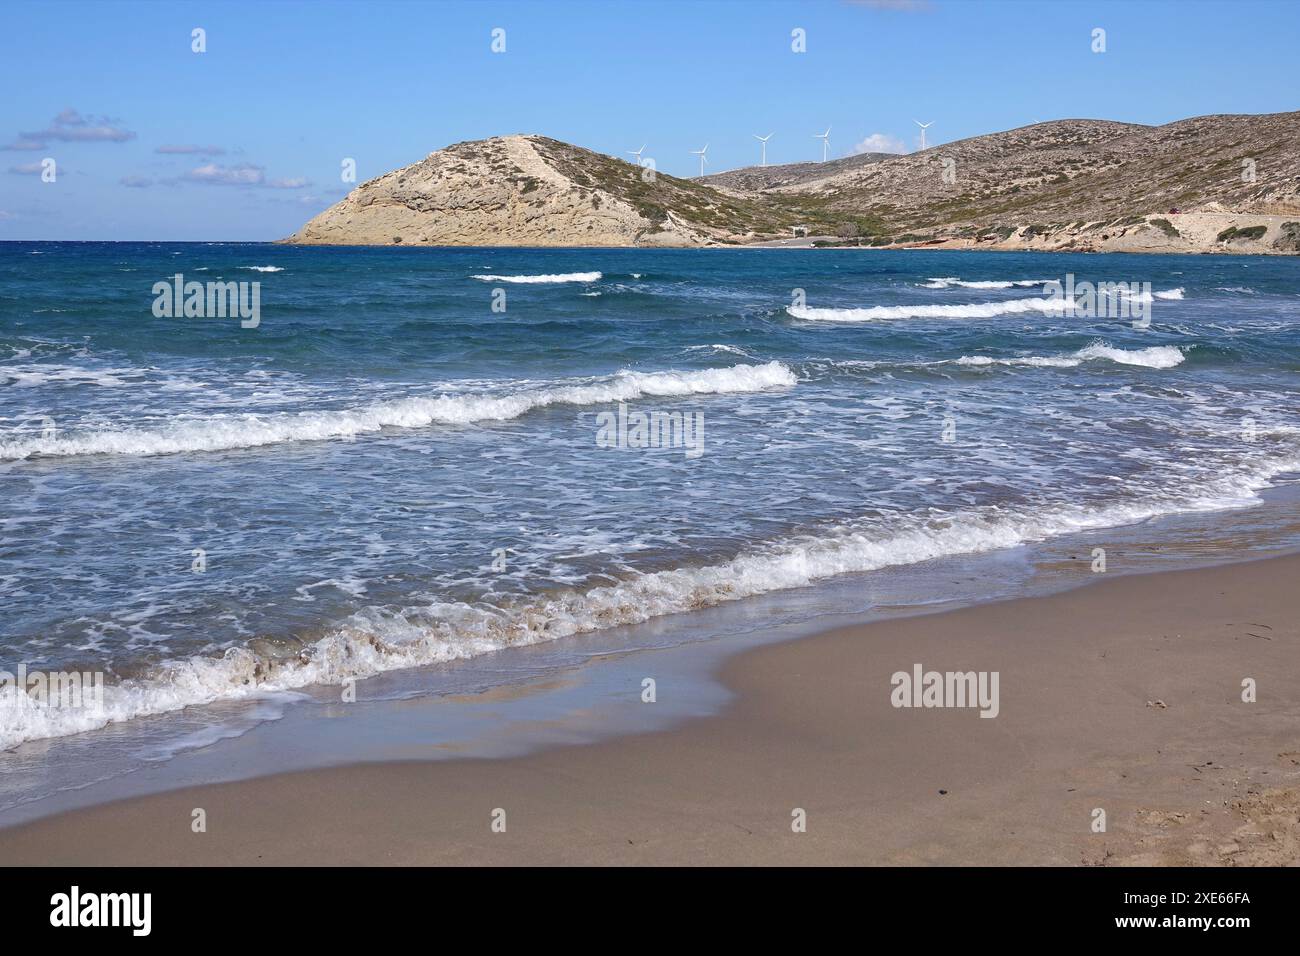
point(763, 140)
point(637, 153)
point(924, 127)
point(826, 141)
point(700, 153)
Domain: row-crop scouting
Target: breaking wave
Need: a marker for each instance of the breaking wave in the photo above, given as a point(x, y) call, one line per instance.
point(950, 282)
point(975, 310)
point(220, 432)
point(378, 639)
point(1051, 305)
point(558, 277)
point(1159, 356)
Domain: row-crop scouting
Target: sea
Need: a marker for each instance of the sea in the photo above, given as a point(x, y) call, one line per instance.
point(417, 459)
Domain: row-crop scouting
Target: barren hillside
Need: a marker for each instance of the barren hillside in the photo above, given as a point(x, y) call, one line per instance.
point(1072, 182)
point(535, 191)
point(1208, 184)
point(753, 179)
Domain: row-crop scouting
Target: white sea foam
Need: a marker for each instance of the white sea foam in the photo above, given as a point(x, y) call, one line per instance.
point(557, 277)
point(718, 347)
point(949, 282)
point(1045, 361)
point(974, 310)
point(1158, 356)
point(30, 376)
point(219, 432)
point(1051, 305)
point(263, 268)
point(380, 639)
point(1167, 294)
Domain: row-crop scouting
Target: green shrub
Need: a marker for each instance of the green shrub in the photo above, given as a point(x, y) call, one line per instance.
point(1289, 240)
point(1232, 233)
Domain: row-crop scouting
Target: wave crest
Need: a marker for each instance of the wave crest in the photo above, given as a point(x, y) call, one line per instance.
point(1051, 305)
point(975, 310)
point(949, 282)
point(557, 277)
point(1158, 356)
point(222, 432)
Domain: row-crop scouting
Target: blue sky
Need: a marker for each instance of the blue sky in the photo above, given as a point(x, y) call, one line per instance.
point(244, 142)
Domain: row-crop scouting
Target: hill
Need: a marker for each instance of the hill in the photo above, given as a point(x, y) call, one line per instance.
point(753, 179)
point(1208, 184)
point(536, 191)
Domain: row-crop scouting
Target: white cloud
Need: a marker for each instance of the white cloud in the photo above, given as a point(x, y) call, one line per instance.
point(244, 174)
point(878, 143)
point(71, 127)
point(241, 174)
point(27, 169)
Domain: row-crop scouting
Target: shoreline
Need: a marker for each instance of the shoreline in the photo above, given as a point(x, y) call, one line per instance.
point(1205, 778)
point(947, 245)
point(570, 691)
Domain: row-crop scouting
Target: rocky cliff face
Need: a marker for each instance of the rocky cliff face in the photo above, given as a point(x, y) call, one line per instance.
point(1209, 184)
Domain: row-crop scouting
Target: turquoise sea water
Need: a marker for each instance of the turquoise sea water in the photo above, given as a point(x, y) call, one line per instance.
point(402, 463)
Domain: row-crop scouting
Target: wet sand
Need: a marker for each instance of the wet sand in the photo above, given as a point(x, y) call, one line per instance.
point(1123, 696)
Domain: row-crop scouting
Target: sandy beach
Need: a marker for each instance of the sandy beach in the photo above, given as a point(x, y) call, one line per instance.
point(1124, 696)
